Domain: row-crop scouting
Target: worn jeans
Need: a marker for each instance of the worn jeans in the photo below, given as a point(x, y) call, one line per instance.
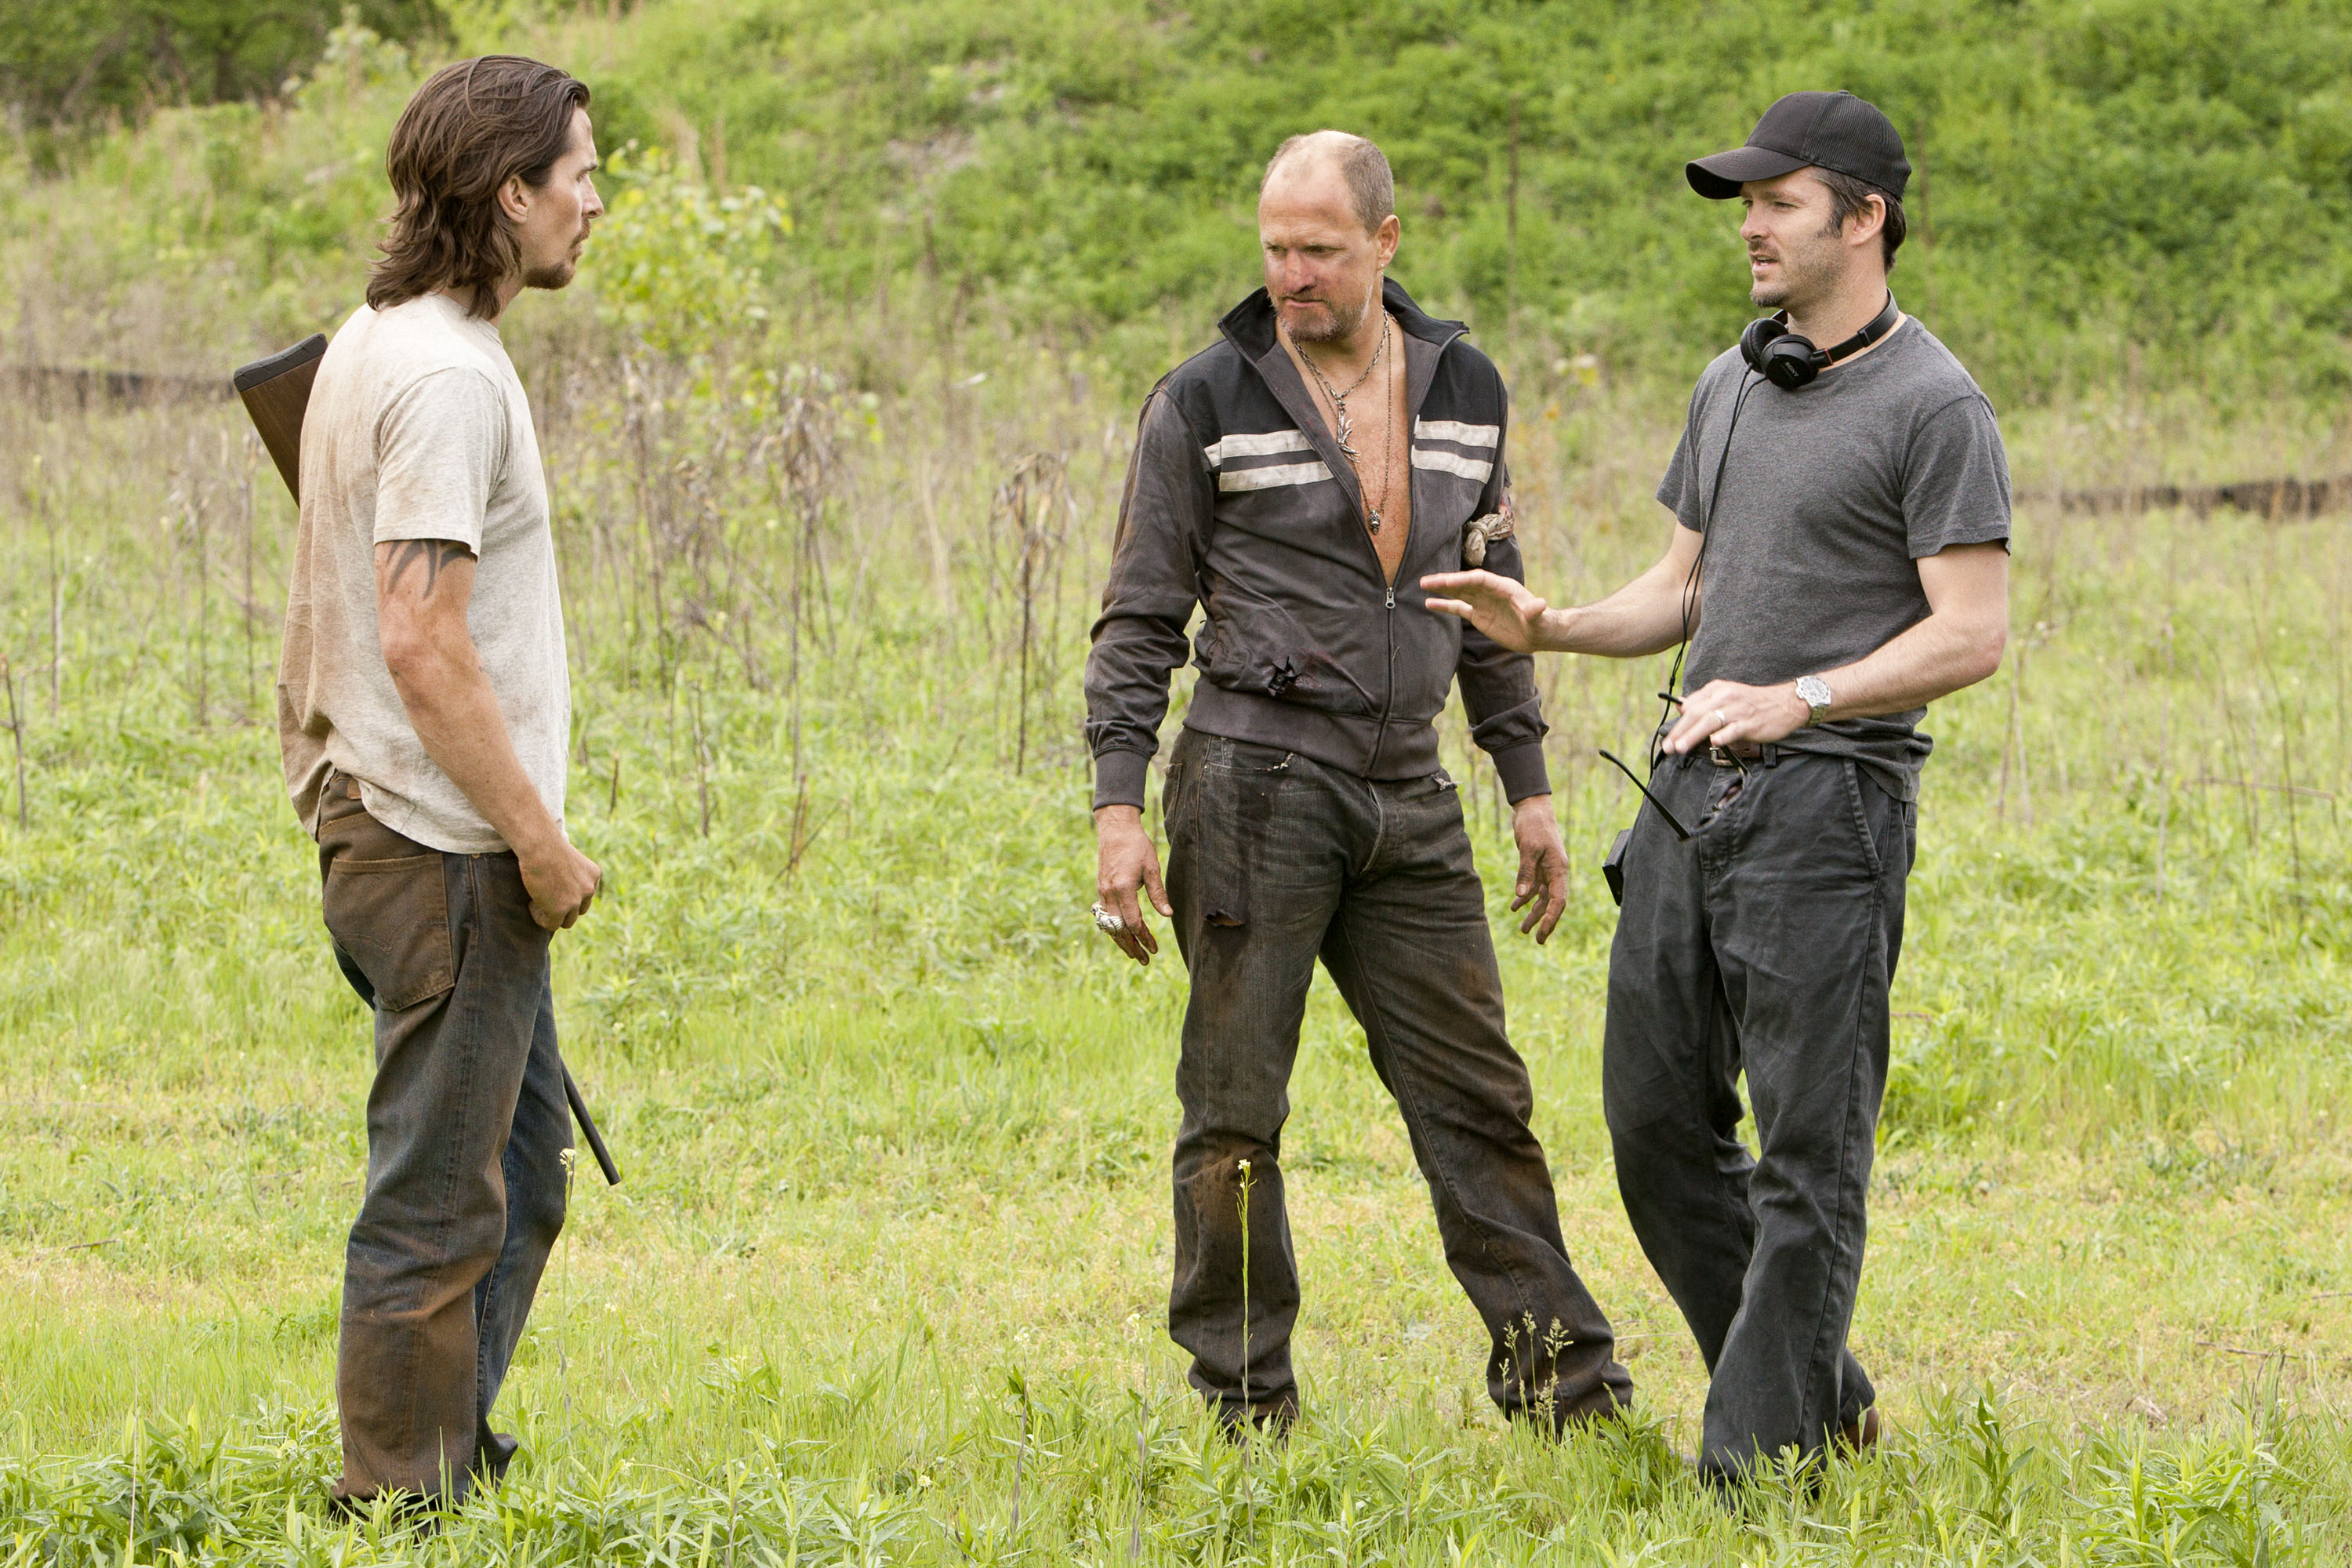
point(1275, 861)
point(1766, 943)
point(467, 1129)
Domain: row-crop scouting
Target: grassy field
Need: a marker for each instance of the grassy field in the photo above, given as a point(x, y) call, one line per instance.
point(884, 1282)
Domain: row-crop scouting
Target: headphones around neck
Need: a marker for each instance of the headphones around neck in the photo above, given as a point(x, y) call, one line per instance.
point(1789, 361)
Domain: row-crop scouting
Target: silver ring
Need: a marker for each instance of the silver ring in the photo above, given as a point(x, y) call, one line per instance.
point(1107, 923)
point(1720, 721)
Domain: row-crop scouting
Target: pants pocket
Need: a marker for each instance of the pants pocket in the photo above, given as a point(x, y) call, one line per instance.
point(1234, 794)
point(1894, 835)
point(389, 913)
point(1861, 824)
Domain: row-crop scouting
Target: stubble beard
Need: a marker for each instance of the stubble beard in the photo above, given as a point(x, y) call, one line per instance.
point(556, 274)
point(1808, 275)
point(1338, 322)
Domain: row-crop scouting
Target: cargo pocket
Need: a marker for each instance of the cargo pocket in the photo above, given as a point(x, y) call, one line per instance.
point(391, 919)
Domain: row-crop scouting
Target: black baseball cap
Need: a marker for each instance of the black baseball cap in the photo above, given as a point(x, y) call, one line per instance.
point(1810, 131)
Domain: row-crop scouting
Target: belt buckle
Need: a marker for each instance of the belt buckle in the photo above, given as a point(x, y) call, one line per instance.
point(1721, 757)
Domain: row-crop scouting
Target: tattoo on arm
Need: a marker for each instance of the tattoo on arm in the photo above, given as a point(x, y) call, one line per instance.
point(435, 553)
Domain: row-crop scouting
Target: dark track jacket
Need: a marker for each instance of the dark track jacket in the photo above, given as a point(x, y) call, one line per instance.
point(1238, 499)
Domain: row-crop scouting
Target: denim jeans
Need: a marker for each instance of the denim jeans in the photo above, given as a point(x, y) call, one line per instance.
point(1766, 944)
point(467, 1129)
point(1275, 860)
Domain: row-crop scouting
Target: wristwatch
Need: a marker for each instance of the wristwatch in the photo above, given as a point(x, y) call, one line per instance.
point(1815, 693)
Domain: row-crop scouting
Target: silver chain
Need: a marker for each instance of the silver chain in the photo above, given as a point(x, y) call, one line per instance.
point(1346, 426)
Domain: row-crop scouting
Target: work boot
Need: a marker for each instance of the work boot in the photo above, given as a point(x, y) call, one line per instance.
point(493, 1452)
point(1554, 1422)
point(416, 1513)
point(1269, 1418)
point(1858, 1435)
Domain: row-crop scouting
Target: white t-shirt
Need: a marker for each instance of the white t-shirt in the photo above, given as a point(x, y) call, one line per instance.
point(418, 428)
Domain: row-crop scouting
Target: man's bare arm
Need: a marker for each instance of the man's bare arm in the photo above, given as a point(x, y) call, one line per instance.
point(422, 589)
point(1644, 616)
point(1957, 644)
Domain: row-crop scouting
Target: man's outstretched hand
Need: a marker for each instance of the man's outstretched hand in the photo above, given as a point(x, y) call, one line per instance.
point(1503, 609)
point(1542, 886)
point(1125, 863)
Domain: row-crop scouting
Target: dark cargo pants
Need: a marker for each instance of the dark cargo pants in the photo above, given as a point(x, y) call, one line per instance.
point(467, 1129)
point(1767, 943)
point(1274, 860)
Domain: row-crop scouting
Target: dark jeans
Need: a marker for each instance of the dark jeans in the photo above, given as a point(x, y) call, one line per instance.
point(1766, 943)
point(1275, 860)
point(466, 1130)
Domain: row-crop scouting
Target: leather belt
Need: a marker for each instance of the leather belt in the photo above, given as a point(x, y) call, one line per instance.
point(1739, 751)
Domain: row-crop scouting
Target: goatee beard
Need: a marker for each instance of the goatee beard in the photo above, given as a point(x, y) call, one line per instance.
point(554, 277)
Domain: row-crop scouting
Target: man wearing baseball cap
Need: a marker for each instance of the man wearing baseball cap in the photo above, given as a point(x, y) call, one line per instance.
point(1839, 560)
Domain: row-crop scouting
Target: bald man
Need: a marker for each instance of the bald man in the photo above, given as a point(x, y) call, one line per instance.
point(1295, 481)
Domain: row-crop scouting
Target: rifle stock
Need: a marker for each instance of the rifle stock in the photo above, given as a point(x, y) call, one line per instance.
point(276, 393)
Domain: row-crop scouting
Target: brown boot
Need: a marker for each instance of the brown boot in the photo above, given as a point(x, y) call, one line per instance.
point(1859, 1435)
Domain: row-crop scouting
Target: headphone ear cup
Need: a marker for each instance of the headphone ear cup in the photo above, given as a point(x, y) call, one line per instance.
point(1760, 331)
point(1789, 361)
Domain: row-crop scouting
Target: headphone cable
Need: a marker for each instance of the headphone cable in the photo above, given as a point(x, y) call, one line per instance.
point(1748, 381)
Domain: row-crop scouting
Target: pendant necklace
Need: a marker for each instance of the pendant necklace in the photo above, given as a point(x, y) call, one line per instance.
point(1345, 428)
point(1388, 446)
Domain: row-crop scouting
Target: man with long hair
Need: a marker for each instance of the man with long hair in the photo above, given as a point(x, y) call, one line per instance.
point(424, 716)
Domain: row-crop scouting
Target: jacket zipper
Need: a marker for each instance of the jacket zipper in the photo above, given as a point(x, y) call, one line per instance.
point(1388, 702)
point(1388, 691)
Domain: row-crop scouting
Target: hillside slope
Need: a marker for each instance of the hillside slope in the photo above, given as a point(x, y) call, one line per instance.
point(2090, 174)
point(2121, 190)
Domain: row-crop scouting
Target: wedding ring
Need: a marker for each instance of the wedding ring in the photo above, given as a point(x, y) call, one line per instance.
point(1107, 923)
point(1719, 720)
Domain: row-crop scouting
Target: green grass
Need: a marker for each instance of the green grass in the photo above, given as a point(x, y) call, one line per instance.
point(885, 1280)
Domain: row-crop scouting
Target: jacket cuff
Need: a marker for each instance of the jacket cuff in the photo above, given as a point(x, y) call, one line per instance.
point(1522, 771)
point(1120, 778)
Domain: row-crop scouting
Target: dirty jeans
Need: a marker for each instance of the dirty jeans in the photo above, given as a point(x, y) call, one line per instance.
point(466, 1128)
point(1274, 860)
point(1766, 943)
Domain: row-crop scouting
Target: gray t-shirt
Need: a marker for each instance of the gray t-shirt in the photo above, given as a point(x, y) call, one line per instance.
point(1830, 497)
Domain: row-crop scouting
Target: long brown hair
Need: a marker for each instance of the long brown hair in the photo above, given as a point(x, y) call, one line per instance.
point(470, 129)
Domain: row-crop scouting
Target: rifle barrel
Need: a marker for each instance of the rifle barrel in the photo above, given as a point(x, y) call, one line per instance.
point(588, 1130)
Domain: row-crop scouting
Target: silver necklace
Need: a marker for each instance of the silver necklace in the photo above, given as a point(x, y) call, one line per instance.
point(1388, 448)
point(1346, 426)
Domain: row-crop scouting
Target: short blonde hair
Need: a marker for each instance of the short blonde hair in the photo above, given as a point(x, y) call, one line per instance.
point(1370, 186)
